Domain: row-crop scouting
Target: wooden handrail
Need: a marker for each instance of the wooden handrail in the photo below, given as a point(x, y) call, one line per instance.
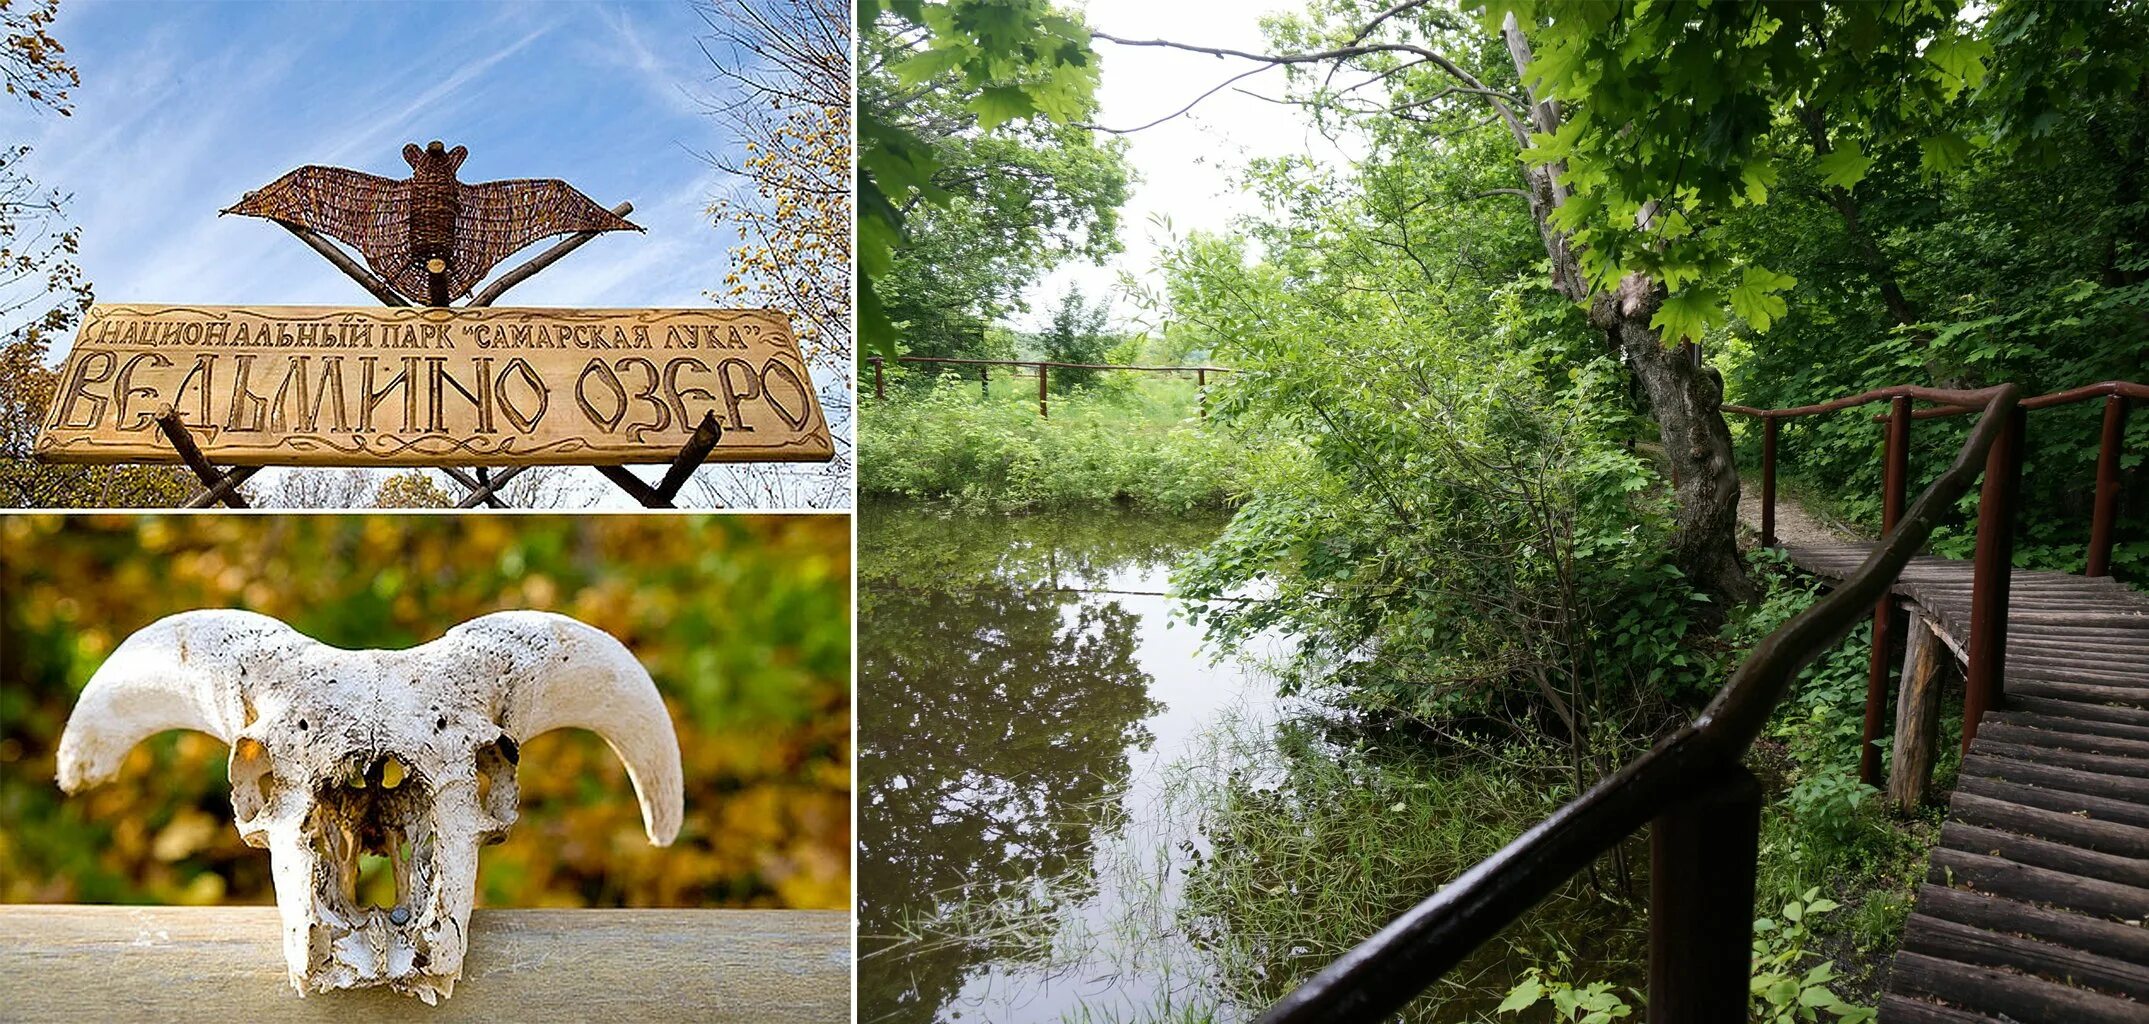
point(2110, 389)
point(1055, 364)
point(2118, 396)
point(1696, 769)
point(1044, 369)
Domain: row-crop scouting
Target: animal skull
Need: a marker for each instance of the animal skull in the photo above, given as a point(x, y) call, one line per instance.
point(406, 754)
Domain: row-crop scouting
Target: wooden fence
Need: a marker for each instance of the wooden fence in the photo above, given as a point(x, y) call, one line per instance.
point(1042, 370)
point(133, 963)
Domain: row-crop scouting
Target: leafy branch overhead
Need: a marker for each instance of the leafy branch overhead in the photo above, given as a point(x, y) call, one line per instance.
point(1008, 60)
point(1670, 116)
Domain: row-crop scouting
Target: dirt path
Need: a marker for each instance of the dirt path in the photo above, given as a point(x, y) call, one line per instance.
point(1794, 525)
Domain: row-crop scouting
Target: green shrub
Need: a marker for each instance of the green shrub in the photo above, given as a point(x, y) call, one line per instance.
point(1125, 444)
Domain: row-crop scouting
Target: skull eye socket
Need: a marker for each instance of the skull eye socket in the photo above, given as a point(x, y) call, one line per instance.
point(497, 792)
point(253, 784)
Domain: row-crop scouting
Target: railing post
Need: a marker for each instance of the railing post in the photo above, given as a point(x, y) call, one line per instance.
point(1201, 392)
point(1985, 685)
point(880, 390)
point(1894, 478)
point(1042, 412)
point(984, 380)
point(1769, 426)
point(2106, 505)
point(1701, 903)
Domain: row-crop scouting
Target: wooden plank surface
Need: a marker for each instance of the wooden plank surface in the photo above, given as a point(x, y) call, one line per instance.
point(2036, 896)
point(128, 963)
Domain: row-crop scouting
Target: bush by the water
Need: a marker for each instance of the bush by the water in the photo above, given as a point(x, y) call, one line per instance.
point(1139, 442)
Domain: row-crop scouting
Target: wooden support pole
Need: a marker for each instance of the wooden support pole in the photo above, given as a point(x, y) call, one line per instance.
point(1201, 392)
point(484, 487)
point(1895, 474)
point(2106, 506)
point(1917, 714)
point(1991, 574)
point(224, 490)
point(366, 279)
point(880, 389)
point(492, 292)
point(1701, 903)
point(984, 380)
point(1770, 427)
point(217, 485)
point(1044, 412)
point(691, 456)
point(635, 486)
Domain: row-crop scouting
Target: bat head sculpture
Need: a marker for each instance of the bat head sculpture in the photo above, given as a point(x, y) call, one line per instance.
point(435, 162)
point(409, 755)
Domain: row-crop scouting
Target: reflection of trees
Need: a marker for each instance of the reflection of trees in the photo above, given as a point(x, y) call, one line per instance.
point(994, 727)
point(914, 544)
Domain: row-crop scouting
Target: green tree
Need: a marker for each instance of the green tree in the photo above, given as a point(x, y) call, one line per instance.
point(1015, 198)
point(1076, 335)
point(43, 293)
point(937, 83)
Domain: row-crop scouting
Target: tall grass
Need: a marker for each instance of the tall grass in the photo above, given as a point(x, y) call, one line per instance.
point(1139, 443)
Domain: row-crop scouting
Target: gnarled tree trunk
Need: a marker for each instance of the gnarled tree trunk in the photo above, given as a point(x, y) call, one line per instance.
point(1685, 396)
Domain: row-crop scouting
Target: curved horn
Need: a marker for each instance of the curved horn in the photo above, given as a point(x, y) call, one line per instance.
point(560, 673)
point(184, 671)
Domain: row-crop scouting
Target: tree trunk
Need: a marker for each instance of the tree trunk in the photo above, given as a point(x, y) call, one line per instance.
point(1685, 399)
point(1684, 395)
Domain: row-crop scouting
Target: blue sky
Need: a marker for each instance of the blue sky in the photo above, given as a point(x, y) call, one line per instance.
point(185, 107)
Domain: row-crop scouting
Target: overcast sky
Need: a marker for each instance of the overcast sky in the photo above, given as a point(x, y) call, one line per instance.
point(185, 107)
point(1186, 164)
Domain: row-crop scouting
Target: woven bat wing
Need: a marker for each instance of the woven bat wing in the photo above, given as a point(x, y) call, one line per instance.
point(365, 211)
point(498, 217)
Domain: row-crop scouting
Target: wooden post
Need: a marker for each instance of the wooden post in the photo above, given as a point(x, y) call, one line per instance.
point(366, 279)
point(1985, 684)
point(1894, 476)
point(225, 490)
point(1201, 391)
point(1042, 412)
point(1917, 715)
point(880, 389)
point(217, 485)
point(1701, 903)
point(2106, 507)
point(984, 380)
point(1769, 428)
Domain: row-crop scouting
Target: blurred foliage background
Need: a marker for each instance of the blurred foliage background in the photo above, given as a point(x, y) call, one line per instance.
point(744, 621)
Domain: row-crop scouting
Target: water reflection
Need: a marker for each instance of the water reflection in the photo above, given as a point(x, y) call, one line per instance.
point(1019, 680)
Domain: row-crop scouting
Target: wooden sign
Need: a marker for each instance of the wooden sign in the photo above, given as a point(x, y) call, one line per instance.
point(375, 386)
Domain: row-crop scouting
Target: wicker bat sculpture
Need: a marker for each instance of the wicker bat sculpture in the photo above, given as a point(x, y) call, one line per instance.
point(408, 754)
point(431, 236)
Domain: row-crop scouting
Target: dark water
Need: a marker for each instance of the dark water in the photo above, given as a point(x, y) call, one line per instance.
point(1021, 700)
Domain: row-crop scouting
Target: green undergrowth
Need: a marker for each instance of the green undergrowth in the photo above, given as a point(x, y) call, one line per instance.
point(1139, 443)
point(1823, 829)
point(1319, 835)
